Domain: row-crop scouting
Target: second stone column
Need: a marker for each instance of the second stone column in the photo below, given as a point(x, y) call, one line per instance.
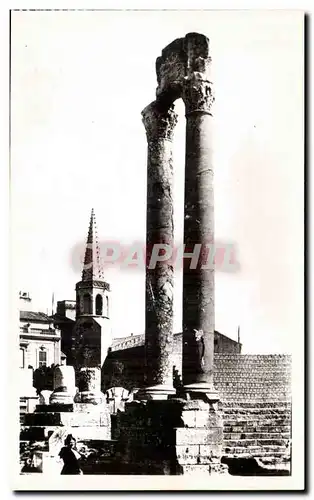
point(198, 280)
point(159, 123)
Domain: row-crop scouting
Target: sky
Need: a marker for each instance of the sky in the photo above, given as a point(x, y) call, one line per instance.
point(79, 81)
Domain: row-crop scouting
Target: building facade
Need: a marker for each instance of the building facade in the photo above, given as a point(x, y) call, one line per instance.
point(40, 340)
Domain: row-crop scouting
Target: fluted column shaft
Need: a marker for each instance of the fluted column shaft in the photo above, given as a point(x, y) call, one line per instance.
point(198, 283)
point(159, 123)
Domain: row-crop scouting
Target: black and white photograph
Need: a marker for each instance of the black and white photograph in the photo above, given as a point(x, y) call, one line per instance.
point(157, 247)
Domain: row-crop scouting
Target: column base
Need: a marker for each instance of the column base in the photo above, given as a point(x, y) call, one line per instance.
point(201, 390)
point(90, 397)
point(159, 392)
point(61, 396)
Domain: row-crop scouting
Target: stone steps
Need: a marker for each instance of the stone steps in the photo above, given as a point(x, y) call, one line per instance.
point(255, 411)
point(264, 419)
point(256, 442)
point(256, 405)
point(255, 435)
point(262, 429)
point(256, 451)
point(250, 394)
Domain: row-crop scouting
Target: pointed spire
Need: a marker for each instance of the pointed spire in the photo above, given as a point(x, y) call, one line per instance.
point(92, 269)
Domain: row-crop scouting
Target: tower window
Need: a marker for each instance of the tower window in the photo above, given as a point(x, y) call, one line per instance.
point(99, 305)
point(42, 358)
point(87, 304)
point(107, 306)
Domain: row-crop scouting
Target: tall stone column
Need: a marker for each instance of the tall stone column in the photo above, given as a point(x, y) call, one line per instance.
point(198, 283)
point(159, 122)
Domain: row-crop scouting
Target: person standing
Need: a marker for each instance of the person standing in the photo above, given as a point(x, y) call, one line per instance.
point(70, 456)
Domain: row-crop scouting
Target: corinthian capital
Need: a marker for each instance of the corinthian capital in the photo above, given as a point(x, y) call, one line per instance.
point(159, 122)
point(198, 94)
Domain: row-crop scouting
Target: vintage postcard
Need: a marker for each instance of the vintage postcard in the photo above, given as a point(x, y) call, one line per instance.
point(157, 207)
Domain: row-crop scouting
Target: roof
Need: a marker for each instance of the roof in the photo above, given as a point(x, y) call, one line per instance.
point(137, 340)
point(34, 316)
point(127, 342)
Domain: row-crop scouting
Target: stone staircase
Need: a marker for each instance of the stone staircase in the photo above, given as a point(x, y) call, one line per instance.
point(256, 404)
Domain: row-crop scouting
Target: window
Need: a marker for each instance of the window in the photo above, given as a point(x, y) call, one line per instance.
point(22, 358)
point(42, 357)
point(87, 304)
point(99, 305)
point(107, 306)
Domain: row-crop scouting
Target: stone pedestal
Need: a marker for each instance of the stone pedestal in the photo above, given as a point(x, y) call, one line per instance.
point(64, 386)
point(159, 121)
point(170, 437)
point(89, 387)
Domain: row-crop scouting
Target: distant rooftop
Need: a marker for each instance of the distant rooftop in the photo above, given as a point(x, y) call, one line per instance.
point(34, 316)
point(138, 340)
point(129, 341)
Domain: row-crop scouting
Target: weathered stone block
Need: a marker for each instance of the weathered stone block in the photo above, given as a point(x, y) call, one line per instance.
point(199, 436)
point(193, 404)
point(210, 451)
point(187, 454)
point(207, 418)
point(188, 418)
point(202, 470)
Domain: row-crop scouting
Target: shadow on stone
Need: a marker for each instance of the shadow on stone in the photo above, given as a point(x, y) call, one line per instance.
point(248, 466)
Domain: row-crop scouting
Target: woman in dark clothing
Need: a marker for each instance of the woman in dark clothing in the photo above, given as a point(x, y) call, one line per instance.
point(70, 457)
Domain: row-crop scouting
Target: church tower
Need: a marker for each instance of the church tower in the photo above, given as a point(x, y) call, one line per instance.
point(92, 292)
point(92, 326)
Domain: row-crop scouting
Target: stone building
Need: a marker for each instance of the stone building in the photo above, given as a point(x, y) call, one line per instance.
point(40, 340)
point(39, 345)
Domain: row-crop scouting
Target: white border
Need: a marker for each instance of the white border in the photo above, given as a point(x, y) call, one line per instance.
point(92, 483)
